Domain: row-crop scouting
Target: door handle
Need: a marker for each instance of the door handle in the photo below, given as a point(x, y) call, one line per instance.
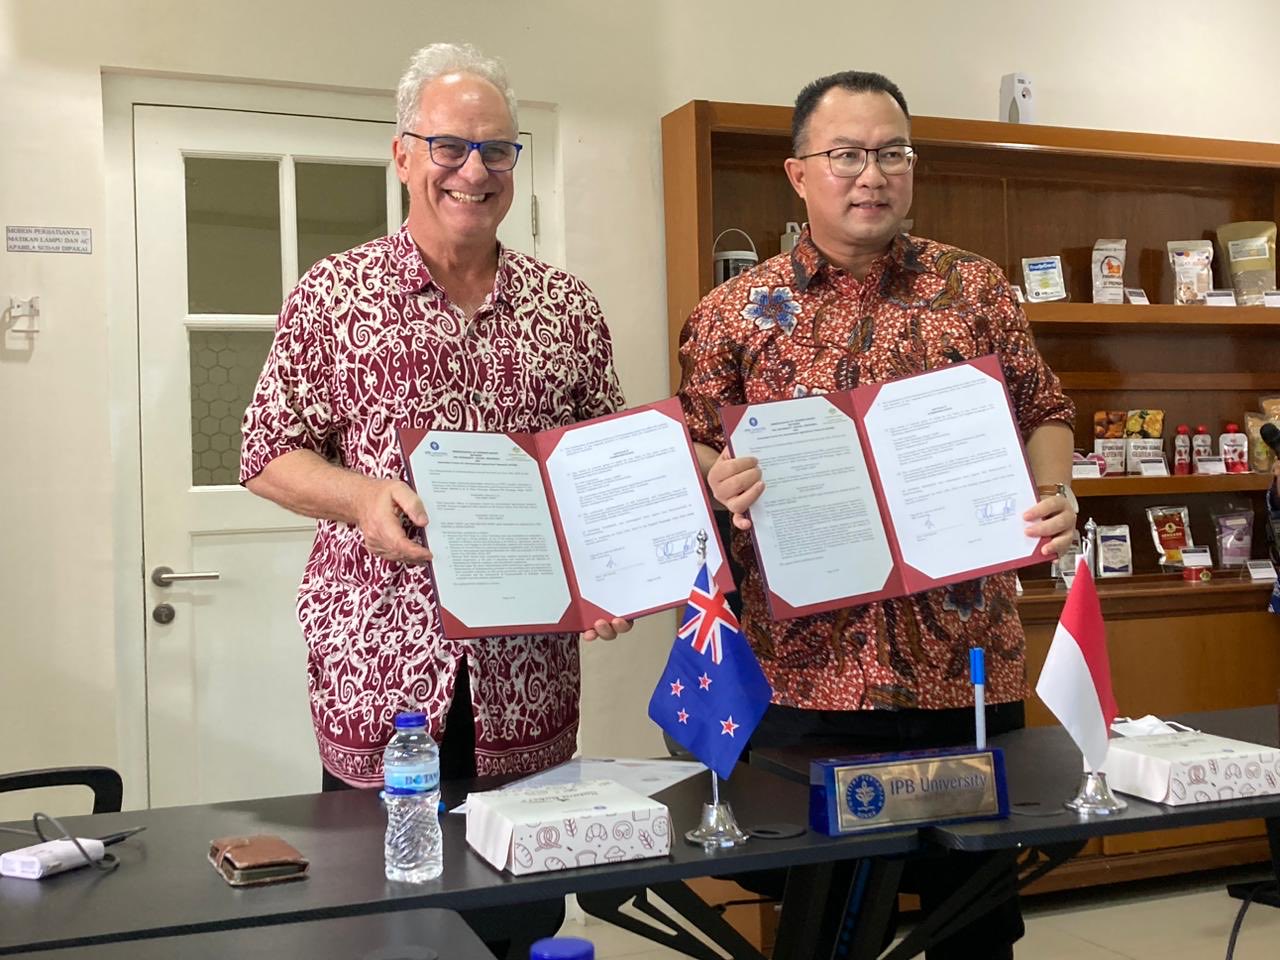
point(164, 576)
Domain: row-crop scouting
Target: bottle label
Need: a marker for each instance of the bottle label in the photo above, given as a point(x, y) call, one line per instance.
point(407, 781)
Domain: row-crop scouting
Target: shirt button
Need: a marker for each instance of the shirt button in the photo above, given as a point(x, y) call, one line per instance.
point(476, 396)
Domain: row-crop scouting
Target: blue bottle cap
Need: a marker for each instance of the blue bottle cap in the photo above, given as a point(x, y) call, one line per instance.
point(562, 948)
point(408, 721)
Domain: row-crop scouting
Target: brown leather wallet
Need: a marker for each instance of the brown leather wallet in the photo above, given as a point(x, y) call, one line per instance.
point(251, 861)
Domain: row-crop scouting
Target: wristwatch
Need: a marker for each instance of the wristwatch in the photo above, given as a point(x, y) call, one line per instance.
point(1060, 490)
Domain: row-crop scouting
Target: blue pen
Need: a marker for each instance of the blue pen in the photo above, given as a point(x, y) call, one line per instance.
point(978, 672)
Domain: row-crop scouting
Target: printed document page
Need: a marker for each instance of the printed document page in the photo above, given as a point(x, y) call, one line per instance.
point(952, 470)
point(631, 504)
point(818, 530)
point(489, 526)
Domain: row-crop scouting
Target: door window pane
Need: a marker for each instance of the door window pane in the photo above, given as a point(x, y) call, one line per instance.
point(340, 206)
point(224, 369)
point(233, 236)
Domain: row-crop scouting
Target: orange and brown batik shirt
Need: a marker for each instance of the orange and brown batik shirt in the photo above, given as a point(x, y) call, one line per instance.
point(798, 325)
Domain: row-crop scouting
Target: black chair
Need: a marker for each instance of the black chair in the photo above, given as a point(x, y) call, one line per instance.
point(107, 787)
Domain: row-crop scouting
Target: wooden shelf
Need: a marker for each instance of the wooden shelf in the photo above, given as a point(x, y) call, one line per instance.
point(1147, 595)
point(1160, 486)
point(1158, 318)
point(1079, 141)
point(1150, 382)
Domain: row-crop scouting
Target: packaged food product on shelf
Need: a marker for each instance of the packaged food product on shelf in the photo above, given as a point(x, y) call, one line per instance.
point(1043, 277)
point(1260, 456)
point(1248, 254)
point(1108, 424)
point(1115, 551)
point(1171, 533)
point(1144, 423)
point(1233, 447)
point(1201, 446)
point(1192, 262)
point(1108, 271)
point(1182, 451)
point(1113, 453)
point(1233, 536)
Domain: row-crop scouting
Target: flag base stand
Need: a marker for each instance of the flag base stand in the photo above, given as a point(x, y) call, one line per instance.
point(1094, 798)
point(718, 830)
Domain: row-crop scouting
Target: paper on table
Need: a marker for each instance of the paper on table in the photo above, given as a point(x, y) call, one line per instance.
point(648, 777)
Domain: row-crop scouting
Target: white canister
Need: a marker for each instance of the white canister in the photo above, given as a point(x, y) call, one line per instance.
point(730, 263)
point(789, 237)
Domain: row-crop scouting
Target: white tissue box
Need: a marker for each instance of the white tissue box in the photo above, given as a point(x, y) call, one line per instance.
point(536, 829)
point(1181, 768)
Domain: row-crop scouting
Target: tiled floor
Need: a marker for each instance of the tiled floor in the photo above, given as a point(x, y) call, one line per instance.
point(1167, 920)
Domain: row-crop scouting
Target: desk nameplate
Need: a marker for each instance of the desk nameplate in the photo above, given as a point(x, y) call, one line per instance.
point(877, 791)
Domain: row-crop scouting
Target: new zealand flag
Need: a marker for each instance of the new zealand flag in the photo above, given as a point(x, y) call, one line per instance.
point(712, 693)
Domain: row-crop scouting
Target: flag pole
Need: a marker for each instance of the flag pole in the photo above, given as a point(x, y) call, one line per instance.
point(718, 828)
point(1094, 797)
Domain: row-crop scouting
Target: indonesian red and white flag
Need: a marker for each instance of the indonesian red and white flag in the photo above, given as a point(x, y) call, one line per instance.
point(1076, 680)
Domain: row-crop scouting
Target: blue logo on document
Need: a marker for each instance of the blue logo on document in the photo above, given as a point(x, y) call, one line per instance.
point(865, 797)
point(753, 421)
point(434, 445)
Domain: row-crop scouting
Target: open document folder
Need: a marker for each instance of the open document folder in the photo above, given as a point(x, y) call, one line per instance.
point(887, 489)
point(552, 531)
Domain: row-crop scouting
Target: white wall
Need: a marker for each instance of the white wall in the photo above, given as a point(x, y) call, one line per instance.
point(613, 70)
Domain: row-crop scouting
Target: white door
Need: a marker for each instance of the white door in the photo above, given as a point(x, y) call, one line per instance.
point(231, 207)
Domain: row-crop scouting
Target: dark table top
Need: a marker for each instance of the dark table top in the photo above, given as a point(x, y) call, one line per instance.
point(1043, 769)
point(164, 886)
point(407, 935)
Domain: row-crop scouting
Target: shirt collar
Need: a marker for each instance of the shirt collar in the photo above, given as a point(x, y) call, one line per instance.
point(808, 262)
point(410, 271)
point(413, 276)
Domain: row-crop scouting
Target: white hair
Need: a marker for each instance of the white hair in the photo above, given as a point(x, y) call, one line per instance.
point(441, 59)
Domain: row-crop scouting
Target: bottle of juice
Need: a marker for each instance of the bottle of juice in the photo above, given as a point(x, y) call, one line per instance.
point(1201, 446)
point(1182, 451)
point(1233, 447)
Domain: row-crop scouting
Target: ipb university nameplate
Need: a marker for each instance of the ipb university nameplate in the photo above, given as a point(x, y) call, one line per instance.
point(883, 790)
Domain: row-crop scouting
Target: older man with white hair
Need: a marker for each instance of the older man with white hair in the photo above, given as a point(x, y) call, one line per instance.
point(435, 326)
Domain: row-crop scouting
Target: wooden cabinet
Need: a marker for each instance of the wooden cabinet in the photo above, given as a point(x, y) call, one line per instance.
point(1008, 192)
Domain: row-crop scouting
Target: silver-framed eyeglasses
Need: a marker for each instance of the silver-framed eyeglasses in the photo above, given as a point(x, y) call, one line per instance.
point(893, 159)
point(498, 156)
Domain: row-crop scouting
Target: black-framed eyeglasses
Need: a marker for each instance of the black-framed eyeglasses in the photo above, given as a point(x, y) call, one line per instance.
point(894, 159)
point(498, 156)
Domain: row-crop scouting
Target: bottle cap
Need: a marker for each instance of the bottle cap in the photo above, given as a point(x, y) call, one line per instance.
point(409, 721)
point(1183, 428)
point(562, 948)
point(1202, 429)
point(1233, 428)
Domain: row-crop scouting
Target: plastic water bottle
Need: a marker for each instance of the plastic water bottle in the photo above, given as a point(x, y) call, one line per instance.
point(411, 774)
point(562, 948)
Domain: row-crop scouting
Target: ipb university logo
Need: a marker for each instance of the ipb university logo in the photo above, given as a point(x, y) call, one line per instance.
point(865, 796)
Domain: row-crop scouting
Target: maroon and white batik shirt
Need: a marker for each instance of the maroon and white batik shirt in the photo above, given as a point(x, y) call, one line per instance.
point(366, 344)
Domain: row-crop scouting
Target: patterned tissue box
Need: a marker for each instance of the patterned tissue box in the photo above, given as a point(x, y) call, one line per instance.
point(1191, 767)
point(536, 829)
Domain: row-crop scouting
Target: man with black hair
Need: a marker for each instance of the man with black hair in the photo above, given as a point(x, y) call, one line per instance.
point(859, 301)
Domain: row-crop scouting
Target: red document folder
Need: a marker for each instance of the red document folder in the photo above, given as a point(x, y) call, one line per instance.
point(656, 578)
point(900, 576)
